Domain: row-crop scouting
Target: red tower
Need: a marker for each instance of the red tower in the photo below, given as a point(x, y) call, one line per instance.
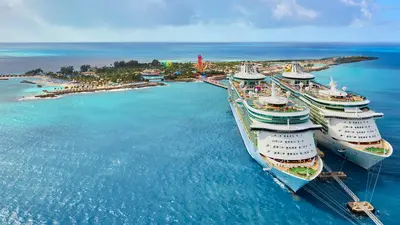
point(200, 64)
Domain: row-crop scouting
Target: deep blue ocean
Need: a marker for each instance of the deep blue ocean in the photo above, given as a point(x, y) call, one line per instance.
point(173, 154)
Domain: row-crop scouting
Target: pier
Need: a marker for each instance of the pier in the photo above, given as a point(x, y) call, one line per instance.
point(330, 175)
point(214, 82)
point(6, 76)
point(357, 206)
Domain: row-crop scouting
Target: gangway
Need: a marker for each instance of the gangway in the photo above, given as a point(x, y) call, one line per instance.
point(343, 185)
point(354, 196)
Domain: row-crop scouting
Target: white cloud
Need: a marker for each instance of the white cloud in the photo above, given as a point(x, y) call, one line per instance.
point(291, 8)
point(349, 2)
point(364, 5)
point(367, 14)
point(226, 20)
point(282, 10)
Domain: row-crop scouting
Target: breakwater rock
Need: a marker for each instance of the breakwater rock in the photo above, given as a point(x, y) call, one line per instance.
point(27, 82)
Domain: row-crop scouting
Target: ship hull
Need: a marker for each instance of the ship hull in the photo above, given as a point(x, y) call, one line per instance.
point(294, 183)
point(361, 158)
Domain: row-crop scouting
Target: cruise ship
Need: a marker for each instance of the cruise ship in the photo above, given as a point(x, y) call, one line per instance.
point(348, 125)
point(276, 130)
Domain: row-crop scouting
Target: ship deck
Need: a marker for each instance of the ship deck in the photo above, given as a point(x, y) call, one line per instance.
point(381, 147)
point(292, 170)
point(265, 92)
point(314, 92)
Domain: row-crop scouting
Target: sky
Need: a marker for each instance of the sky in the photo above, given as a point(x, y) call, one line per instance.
point(199, 21)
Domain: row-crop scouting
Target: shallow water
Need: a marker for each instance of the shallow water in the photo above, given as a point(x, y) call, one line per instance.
point(169, 155)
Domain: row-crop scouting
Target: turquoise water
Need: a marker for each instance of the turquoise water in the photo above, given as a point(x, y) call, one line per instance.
point(170, 155)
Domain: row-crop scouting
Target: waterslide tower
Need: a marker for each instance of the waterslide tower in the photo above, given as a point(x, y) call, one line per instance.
point(201, 65)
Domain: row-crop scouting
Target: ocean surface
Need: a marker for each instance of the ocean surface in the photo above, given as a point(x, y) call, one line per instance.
point(173, 154)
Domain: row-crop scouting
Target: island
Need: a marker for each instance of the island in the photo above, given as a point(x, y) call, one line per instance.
point(124, 75)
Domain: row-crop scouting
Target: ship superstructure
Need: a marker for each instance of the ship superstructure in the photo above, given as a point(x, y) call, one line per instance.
point(275, 128)
point(348, 124)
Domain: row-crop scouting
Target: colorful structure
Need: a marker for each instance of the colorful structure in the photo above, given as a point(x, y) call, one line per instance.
point(201, 66)
point(167, 64)
point(288, 68)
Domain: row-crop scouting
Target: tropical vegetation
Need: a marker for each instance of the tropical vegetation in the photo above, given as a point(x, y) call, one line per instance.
point(34, 72)
point(302, 171)
point(380, 151)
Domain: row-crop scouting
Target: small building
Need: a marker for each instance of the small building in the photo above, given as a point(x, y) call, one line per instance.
point(151, 72)
point(152, 75)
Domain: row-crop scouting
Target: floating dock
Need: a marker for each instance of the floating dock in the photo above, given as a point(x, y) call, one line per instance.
point(330, 175)
point(357, 206)
point(360, 208)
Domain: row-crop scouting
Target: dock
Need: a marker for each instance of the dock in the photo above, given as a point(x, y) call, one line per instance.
point(7, 76)
point(330, 175)
point(357, 206)
point(360, 207)
point(214, 82)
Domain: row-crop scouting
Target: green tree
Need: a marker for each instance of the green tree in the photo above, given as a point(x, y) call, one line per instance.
point(119, 64)
point(67, 70)
point(132, 63)
point(34, 72)
point(155, 63)
point(85, 68)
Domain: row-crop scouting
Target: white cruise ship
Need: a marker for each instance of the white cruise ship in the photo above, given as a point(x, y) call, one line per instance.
point(348, 125)
point(276, 130)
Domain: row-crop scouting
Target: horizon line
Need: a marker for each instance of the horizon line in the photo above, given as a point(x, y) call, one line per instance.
point(205, 42)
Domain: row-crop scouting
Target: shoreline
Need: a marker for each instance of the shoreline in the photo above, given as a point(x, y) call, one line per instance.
point(35, 80)
point(32, 97)
point(217, 71)
point(323, 63)
point(125, 87)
